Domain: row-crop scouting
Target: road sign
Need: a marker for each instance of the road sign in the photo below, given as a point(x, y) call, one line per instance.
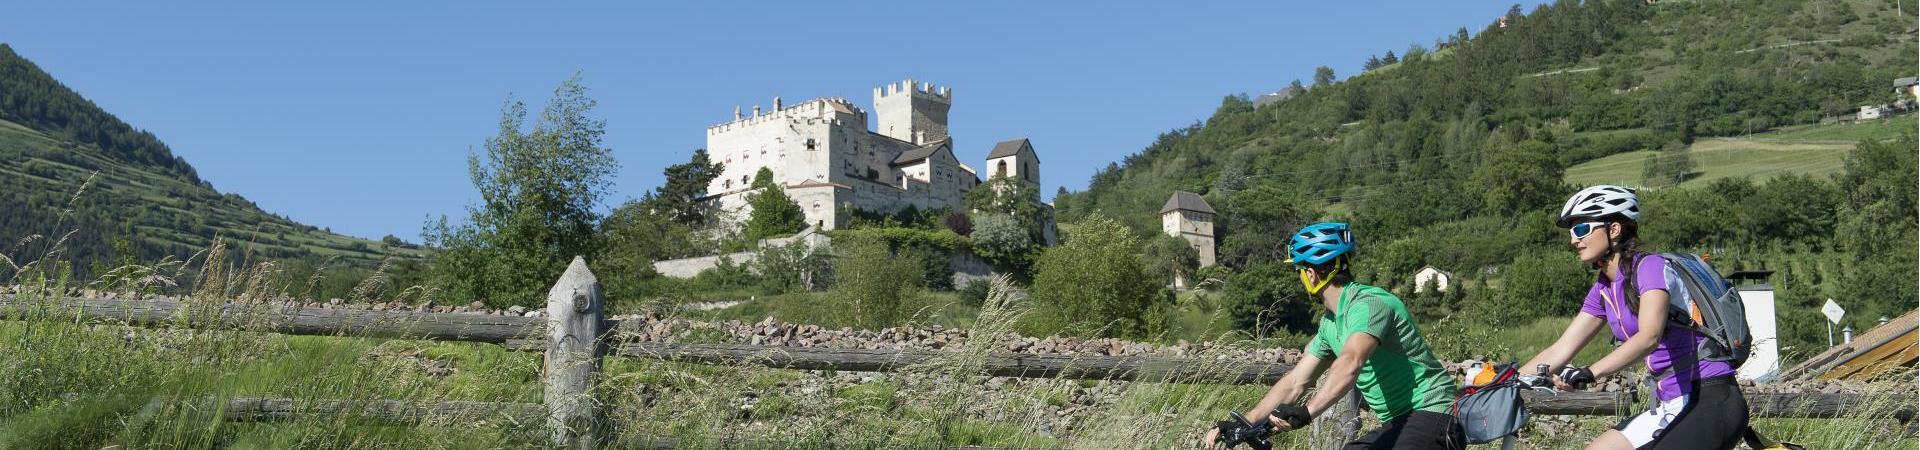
point(1833, 311)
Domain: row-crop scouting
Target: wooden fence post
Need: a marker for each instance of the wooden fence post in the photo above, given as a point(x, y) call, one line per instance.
point(575, 346)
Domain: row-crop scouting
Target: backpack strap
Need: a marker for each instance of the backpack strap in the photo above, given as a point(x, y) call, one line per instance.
point(1630, 285)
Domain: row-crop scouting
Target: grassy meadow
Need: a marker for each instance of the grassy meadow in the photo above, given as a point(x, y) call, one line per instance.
point(90, 385)
point(1817, 150)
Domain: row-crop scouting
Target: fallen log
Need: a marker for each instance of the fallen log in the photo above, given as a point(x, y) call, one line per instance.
point(269, 317)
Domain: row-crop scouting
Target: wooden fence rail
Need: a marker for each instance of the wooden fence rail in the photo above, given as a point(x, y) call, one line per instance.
point(576, 318)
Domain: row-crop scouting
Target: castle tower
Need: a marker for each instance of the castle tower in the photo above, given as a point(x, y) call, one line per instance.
point(912, 112)
point(1187, 216)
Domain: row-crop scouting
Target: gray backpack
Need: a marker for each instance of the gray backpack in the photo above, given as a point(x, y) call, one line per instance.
point(1701, 300)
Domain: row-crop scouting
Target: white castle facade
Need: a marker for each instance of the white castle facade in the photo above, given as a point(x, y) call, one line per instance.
point(831, 157)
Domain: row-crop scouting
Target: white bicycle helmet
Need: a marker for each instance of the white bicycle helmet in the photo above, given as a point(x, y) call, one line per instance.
point(1598, 202)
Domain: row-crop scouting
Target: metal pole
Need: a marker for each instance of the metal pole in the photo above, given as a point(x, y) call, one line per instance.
point(1829, 334)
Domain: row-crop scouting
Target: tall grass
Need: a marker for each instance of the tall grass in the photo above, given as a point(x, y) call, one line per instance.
point(66, 383)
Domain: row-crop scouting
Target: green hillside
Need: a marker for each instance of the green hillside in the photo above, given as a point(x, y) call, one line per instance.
point(1721, 158)
point(1459, 162)
point(1816, 150)
point(139, 203)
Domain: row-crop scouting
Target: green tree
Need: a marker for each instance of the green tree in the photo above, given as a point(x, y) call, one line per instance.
point(1542, 283)
point(539, 189)
point(678, 198)
point(1167, 257)
point(1265, 298)
point(1003, 241)
point(1669, 166)
point(879, 286)
point(1095, 285)
point(773, 213)
point(1012, 197)
point(1254, 225)
point(793, 267)
point(1879, 227)
point(1791, 208)
point(1322, 76)
point(1519, 177)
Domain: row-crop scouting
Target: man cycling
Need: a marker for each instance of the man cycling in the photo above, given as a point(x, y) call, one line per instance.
point(1372, 343)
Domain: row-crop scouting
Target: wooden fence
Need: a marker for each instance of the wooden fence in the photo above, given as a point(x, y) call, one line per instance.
point(576, 319)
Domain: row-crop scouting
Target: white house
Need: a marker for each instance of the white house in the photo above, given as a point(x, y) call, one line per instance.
point(1871, 112)
point(1442, 280)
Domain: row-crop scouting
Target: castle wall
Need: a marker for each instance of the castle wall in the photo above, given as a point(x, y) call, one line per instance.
point(822, 152)
point(967, 267)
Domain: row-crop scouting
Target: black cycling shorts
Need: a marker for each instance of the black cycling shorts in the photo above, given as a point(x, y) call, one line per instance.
point(1714, 417)
point(1418, 430)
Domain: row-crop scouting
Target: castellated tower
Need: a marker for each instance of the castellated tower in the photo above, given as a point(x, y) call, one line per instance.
point(912, 112)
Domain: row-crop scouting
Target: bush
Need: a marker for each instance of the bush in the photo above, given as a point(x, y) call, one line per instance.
point(1095, 285)
point(793, 267)
point(930, 247)
point(725, 275)
point(975, 292)
point(1003, 241)
point(1538, 284)
point(878, 285)
point(1266, 299)
point(1167, 257)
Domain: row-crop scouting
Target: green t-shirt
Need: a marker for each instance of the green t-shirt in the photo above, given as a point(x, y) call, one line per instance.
point(1402, 375)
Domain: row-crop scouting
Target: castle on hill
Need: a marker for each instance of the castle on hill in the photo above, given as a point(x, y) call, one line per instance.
point(832, 158)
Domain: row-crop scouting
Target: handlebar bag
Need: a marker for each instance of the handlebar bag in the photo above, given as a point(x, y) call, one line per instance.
point(1491, 412)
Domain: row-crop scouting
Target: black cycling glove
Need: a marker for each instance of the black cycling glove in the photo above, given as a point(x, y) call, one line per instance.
point(1576, 376)
point(1296, 416)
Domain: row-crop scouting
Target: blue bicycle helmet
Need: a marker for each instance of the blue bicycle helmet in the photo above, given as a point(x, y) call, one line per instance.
point(1320, 243)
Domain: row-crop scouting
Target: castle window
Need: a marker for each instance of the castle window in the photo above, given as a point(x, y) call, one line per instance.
point(743, 180)
point(1001, 171)
point(727, 184)
point(810, 143)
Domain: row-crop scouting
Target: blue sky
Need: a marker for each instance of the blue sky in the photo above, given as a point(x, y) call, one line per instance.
point(359, 116)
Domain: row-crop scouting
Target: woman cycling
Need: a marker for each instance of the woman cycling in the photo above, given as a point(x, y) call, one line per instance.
point(1698, 405)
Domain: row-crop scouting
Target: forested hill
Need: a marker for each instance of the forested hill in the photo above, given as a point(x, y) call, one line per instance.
point(144, 204)
point(1454, 156)
point(31, 97)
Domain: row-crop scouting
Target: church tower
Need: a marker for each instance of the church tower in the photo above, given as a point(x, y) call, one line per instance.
point(912, 111)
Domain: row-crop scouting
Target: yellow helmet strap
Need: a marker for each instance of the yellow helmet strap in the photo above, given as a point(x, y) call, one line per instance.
point(1315, 288)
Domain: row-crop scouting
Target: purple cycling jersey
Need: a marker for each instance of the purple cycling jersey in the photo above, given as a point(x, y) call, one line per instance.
point(1606, 300)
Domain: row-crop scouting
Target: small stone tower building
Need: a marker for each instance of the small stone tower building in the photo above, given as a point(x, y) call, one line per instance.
point(1014, 158)
point(1187, 216)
